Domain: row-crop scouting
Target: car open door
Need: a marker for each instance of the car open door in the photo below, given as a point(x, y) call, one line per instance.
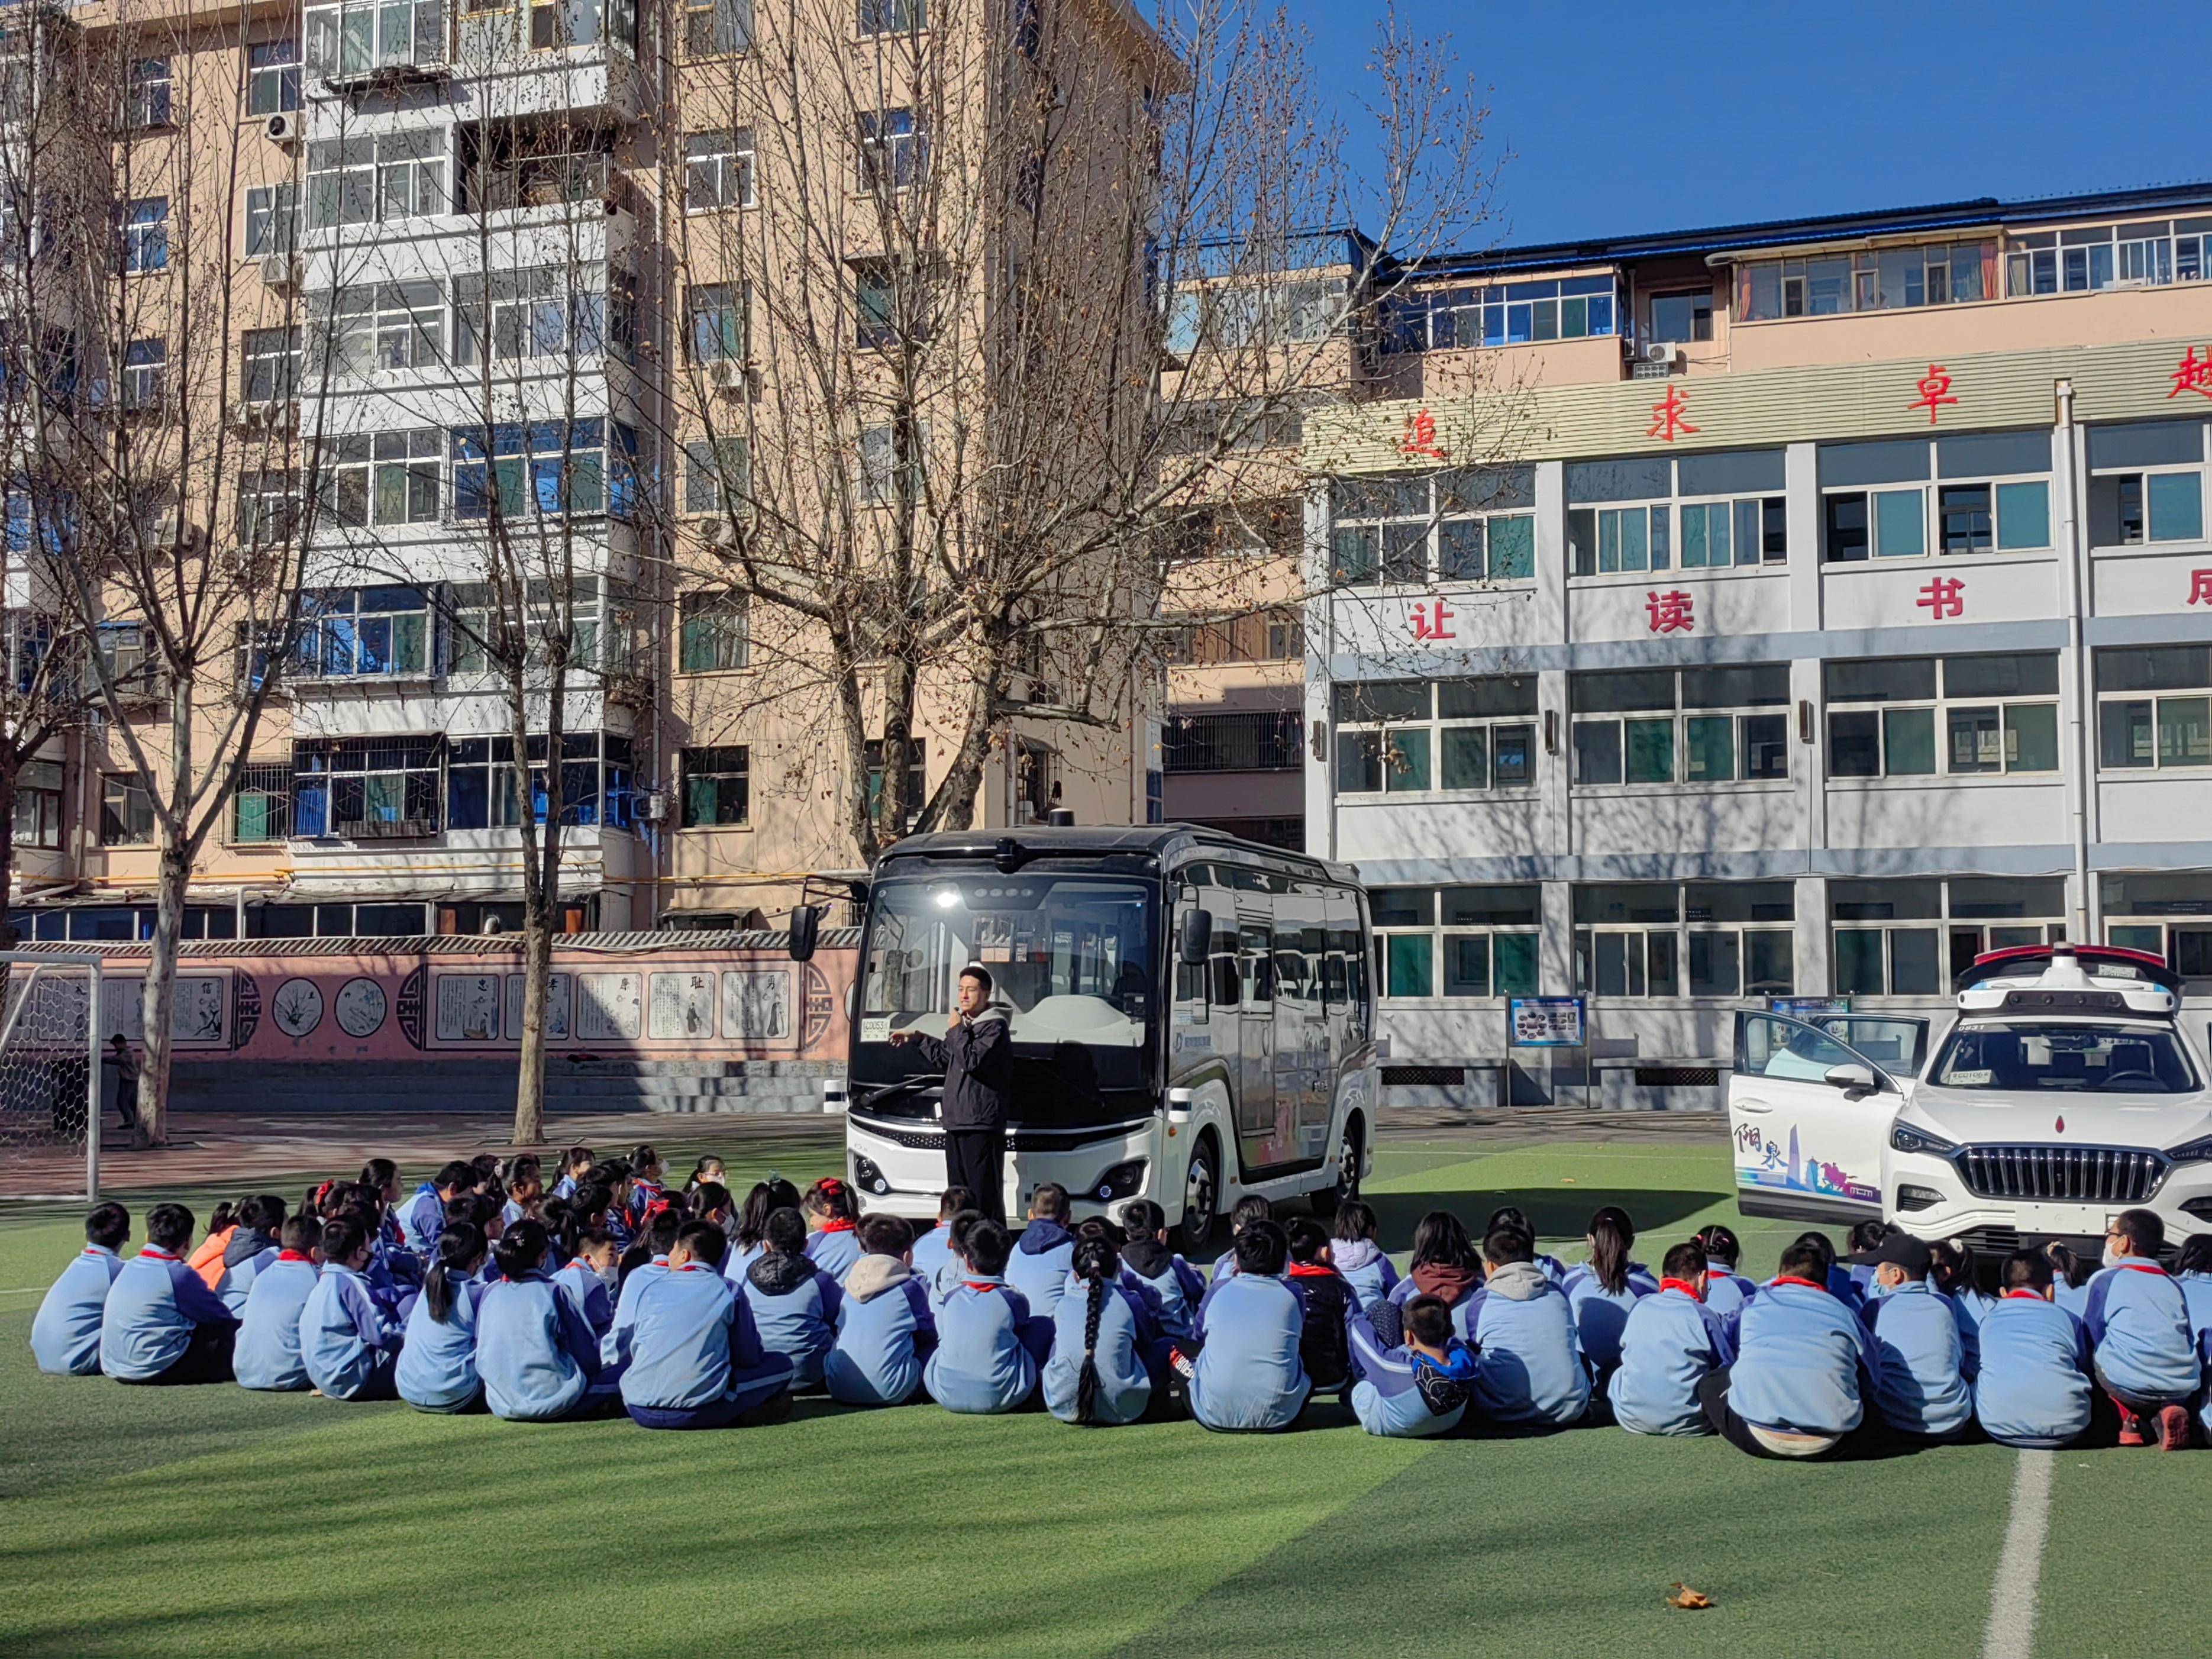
point(1807, 1117)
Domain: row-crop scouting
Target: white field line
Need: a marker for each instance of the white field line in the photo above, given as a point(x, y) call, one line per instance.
point(2011, 1632)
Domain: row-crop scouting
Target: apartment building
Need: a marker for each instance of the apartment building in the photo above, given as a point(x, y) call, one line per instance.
point(1784, 610)
point(495, 310)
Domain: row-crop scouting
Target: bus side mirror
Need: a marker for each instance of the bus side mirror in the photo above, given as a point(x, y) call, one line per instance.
point(805, 932)
point(1195, 934)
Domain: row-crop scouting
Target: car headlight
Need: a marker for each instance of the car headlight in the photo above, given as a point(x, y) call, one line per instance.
point(1122, 1181)
point(2198, 1151)
point(1904, 1138)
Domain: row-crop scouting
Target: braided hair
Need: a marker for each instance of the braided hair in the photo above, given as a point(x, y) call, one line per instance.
point(1097, 1264)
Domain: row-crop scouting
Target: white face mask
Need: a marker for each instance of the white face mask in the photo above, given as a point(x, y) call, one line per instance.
point(2112, 1257)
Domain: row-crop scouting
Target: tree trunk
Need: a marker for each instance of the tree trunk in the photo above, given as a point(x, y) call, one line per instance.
point(176, 871)
point(537, 978)
point(11, 763)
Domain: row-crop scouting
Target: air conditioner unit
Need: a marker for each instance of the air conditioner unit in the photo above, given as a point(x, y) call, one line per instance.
point(259, 414)
point(280, 270)
point(283, 128)
point(1658, 351)
point(653, 807)
point(730, 379)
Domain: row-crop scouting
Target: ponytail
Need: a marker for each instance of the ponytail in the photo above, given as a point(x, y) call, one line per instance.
point(1612, 1235)
point(1096, 1263)
point(459, 1246)
point(227, 1215)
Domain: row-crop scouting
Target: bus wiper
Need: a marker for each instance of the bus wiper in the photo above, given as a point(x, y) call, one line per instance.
point(904, 1086)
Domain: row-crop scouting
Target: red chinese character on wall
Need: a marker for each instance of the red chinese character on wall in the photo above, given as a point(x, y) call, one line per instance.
point(1667, 422)
point(2200, 587)
point(1944, 597)
point(2194, 373)
point(1433, 621)
point(1420, 437)
point(1671, 612)
point(1934, 390)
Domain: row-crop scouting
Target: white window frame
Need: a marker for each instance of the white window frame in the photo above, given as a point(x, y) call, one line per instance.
point(1447, 537)
point(1356, 736)
point(2196, 735)
point(148, 88)
point(272, 79)
point(1741, 741)
point(146, 235)
point(1991, 933)
point(1788, 282)
point(1921, 506)
point(1940, 709)
point(710, 464)
point(411, 175)
point(274, 352)
point(145, 366)
point(1439, 938)
point(272, 220)
point(2092, 258)
point(894, 152)
point(718, 170)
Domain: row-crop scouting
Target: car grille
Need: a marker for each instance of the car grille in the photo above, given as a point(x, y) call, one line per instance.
point(2084, 1175)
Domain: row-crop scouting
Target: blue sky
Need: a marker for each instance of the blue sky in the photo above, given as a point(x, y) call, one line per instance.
point(1625, 117)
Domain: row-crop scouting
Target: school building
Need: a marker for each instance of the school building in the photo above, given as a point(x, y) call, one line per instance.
point(1790, 609)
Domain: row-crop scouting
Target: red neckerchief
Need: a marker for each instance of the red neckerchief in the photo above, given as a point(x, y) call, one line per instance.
point(689, 1267)
point(158, 1253)
point(1311, 1270)
point(294, 1256)
point(2136, 1266)
point(1792, 1279)
point(834, 1226)
point(985, 1284)
point(1683, 1285)
point(2014, 1296)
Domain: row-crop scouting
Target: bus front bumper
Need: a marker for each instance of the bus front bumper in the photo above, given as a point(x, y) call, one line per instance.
point(901, 1170)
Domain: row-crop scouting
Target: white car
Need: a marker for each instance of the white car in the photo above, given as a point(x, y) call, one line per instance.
point(2062, 1092)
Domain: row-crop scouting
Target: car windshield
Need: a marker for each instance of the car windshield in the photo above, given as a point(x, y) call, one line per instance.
point(2024, 1058)
point(1070, 960)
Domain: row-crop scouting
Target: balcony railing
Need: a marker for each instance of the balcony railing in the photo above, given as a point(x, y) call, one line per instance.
point(1266, 741)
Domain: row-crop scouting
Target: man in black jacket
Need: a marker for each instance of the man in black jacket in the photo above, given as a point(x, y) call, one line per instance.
point(977, 1056)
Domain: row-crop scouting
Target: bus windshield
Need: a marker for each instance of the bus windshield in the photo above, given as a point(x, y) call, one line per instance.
point(1071, 963)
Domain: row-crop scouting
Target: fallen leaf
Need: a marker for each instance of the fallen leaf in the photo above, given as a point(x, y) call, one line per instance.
point(1684, 1596)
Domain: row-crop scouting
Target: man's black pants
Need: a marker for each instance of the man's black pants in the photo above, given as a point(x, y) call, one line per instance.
point(976, 1159)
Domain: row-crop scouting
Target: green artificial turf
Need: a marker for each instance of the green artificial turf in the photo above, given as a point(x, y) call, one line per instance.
point(214, 1521)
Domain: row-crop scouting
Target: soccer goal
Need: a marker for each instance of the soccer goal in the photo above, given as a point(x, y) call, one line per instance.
point(50, 1092)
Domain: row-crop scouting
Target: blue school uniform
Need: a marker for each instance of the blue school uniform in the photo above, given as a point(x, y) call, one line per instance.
point(155, 1305)
point(581, 1283)
point(794, 1302)
point(266, 1355)
point(1249, 1373)
point(885, 1330)
point(2033, 1390)
point(245, 1255)
point(2074, 1298)
point(982, 1364)
point(1224, 1268)
point(1670, 1343)
point(437, 1368)
point(614, 1344)
point(2196, 1300)
point(1729, 1293)
point(1172, 1287)
point(2138, 1319)
point(1364, 1267)
point(644, 1196)
point(1529, 1362)
point(65, 1335)
point(1405, 1396)
point(834, 1249)
point(697, 1359)
point(1970, 1306)
point(348, 1343)
point(1599, 1313)
point(932, 1251)
point(565, 1187)
point(1802, 1362)
point(740, 1258)
point(423, 1219)
point(1922, 1388)
point(1038, 1266)
point(539, 1359)
point(1127, 1348)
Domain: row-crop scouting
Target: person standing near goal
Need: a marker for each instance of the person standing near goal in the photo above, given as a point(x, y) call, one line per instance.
point(125, 1063)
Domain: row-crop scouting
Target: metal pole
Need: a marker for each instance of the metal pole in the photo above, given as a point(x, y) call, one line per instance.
point(91, 1085)
point(23, 1001)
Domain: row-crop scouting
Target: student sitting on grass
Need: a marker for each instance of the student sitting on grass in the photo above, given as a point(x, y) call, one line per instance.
point(422, 1218)
point(750, 1237)
point(267, 1354)
point(698, 1359)
point(161, 1323)
point(1038, 1266)
point(1444, 1265)
point(710, 1201)
point(65, 1335)
point(1727, 1293)
point(708, 1169)
point(348, 1343)
point(2146, 1353)
point(1241, 1214)
point(1833, 1277)
point(1671, 1341)
point(1602, 1290)
point(381, 1176)
point(1804, 1366)
point(539, 1362)
point(646, 1264)
point(1512, 1216)
point(1529, 1370)
point(1353, 1252)
point(2070, 1278)
point(1923, 1391)
point(987, 1344)
point(2033, 1389)
point(1148, 1261)
point(253, 1245)
point(576, 1164)
point(833, 1213)
point(1330, 1305)
point(932, 1251)
point(1864, 1238)
point(437, 1368)
point(1957, 1276)
point(648, 1194)
point(583, 1278)
point(2193, 1273)
point(614, 1175)
point(885, 1327)
point(1105, 1343)
point(794, 1300)
point(1420, 1388)
point(525, 1197)
point(1251, 1325)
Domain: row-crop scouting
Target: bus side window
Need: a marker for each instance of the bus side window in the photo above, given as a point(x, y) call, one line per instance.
point(1255, 949)
point(1347, 958)
point(1222, 964)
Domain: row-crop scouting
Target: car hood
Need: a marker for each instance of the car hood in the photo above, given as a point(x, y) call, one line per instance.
point(1987, 1116)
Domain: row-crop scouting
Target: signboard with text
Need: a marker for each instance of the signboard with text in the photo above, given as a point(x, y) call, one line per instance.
point(1544, 1022)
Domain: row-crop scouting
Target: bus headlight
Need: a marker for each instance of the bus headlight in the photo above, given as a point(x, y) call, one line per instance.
point(1122, 1181)
point(867, 1177)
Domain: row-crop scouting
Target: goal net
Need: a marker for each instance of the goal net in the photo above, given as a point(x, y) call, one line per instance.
point(50, 1074)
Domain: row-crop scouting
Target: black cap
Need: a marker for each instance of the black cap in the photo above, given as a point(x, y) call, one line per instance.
point(1900, 1249)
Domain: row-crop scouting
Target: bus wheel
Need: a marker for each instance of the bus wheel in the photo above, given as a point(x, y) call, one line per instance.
point(1346, 1185)
point(1201, 1187)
